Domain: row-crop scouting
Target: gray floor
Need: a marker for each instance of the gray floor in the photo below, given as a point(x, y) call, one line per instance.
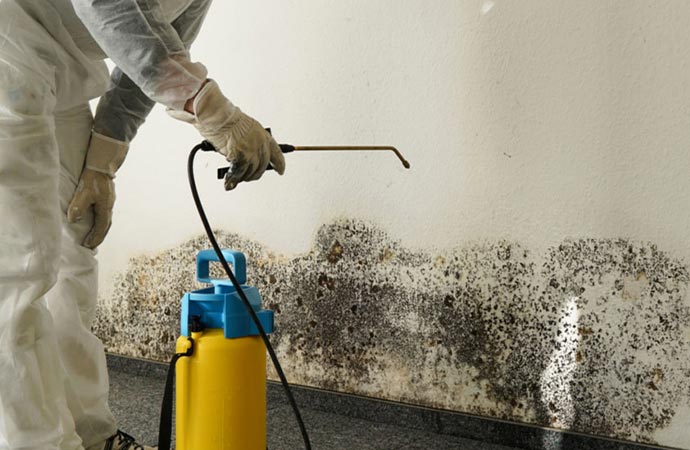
point(135, 401)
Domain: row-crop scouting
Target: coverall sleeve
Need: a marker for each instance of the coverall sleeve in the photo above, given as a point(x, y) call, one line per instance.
point(149, 52)
point(124, 108)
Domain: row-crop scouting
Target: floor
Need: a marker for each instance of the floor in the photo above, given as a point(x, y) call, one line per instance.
point(135, 401)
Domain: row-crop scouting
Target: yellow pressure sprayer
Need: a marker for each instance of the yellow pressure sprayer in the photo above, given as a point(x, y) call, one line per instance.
point(221, 387)
point(220, 359)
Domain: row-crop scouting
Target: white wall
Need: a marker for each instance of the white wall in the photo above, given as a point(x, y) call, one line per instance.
point(530, 120)
point(566, 117)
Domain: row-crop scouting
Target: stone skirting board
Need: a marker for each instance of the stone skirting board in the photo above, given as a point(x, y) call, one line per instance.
point(590, 336)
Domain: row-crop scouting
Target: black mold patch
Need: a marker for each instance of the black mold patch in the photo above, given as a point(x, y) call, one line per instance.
point(631, 351)
point(590, 336)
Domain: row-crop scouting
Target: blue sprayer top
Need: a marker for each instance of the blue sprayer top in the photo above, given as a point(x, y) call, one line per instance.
point(220, 306)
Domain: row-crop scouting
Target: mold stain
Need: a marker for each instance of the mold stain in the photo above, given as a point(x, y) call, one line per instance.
point(589, 336)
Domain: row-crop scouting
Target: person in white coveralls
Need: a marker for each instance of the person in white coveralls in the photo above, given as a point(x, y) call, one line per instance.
point(57, 164)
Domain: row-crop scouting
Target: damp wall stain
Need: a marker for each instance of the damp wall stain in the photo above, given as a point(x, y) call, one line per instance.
point(590, 336)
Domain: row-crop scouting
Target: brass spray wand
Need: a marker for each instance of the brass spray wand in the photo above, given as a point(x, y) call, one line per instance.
point(365, 148)
point(287, 148)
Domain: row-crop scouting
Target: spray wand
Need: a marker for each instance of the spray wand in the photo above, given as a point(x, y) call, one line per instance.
point(287, 148)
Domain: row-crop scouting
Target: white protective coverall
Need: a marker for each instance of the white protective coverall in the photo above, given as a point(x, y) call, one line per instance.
point(53, 377)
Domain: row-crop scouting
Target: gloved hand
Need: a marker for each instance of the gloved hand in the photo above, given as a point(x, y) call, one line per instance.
point(96, 188)
point(242, 140)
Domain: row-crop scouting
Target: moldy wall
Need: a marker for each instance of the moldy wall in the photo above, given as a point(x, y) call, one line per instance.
point(589, 336)
point(533, 263)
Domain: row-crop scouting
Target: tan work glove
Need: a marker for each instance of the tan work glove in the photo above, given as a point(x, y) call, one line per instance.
point(96, 188)
point(242, 140)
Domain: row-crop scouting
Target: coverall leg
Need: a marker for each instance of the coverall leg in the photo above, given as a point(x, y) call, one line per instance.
point(46, 376)
point(72, 301)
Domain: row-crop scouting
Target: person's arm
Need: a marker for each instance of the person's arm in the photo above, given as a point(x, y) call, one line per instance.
point(124, 108)
point(136, 35)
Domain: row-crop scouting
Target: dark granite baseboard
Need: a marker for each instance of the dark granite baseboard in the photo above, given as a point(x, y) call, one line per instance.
point(436, 421)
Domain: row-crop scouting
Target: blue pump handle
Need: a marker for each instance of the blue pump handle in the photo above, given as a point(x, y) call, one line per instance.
point(236, 259)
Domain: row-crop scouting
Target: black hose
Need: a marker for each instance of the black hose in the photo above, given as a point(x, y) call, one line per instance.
point(206, 146)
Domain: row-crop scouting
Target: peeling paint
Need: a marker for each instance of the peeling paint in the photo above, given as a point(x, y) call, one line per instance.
point(590, 336)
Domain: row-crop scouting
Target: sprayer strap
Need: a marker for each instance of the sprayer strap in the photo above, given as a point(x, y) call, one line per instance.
point(165, 428)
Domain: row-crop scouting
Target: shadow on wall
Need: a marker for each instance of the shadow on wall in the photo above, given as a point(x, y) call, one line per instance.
point(589, 336)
